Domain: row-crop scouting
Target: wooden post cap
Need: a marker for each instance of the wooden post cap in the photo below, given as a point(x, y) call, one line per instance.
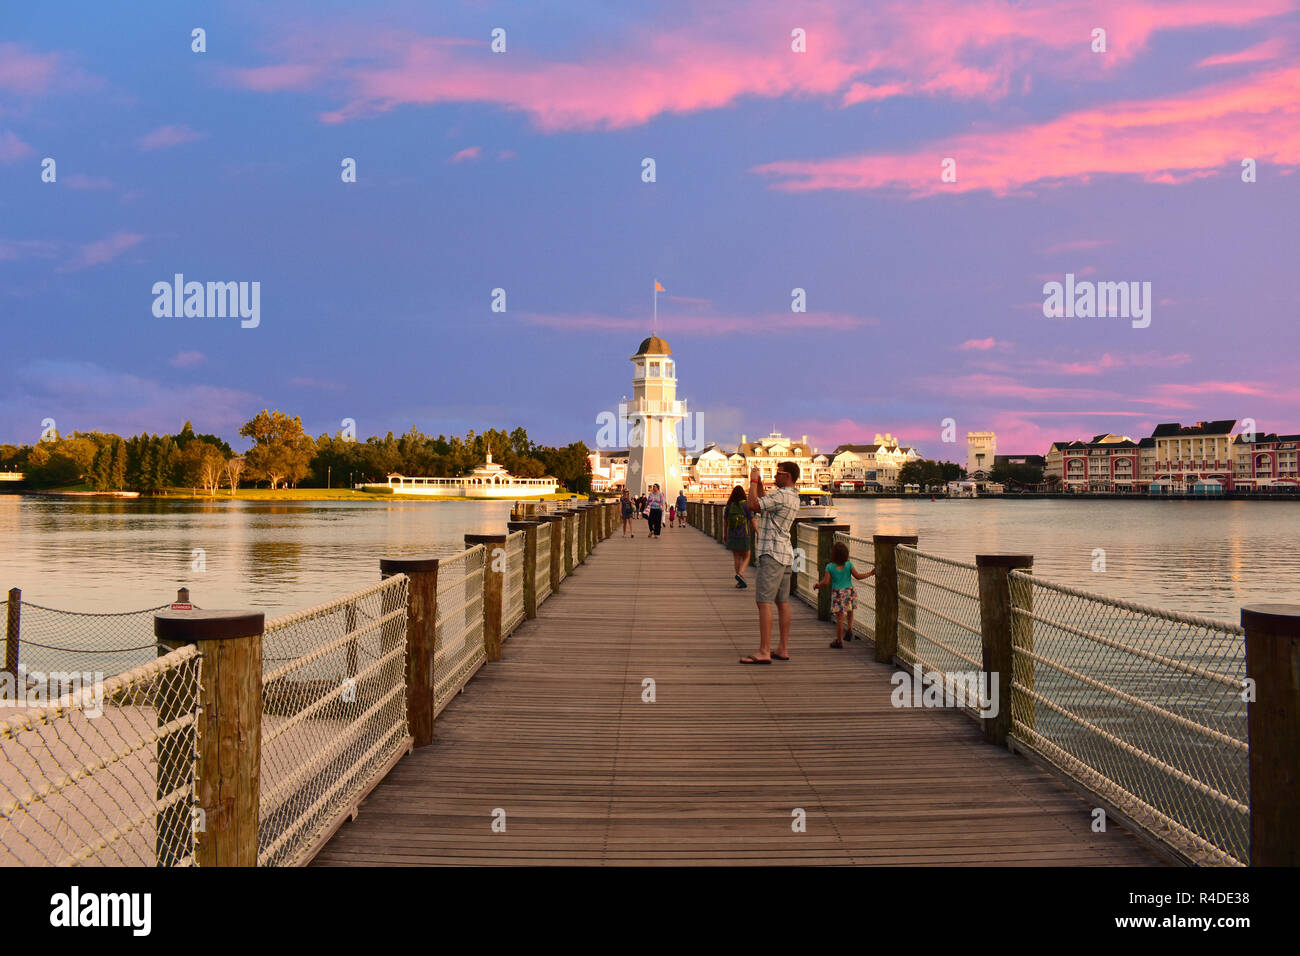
point(895, 538)
point(186, 626)
point(1004, 560)
point(521, 525)
point(411, 565)
point(472, 539)
point(1282, 620)
point(541, 518)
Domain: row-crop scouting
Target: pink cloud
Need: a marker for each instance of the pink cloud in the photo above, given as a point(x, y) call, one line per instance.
point(978, 345)
point(1172, 140)
point(467, 154)
point(82, 181)
point(12, 148)
point(1269, 49)
point(167, 136)
point(185, 359)
point(857, 53)
point(702, 325)
point(506, 154)
point(23, 71)
point(103, 250)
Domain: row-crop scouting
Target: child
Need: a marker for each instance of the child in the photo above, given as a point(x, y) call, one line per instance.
point(672, 515)
point(840, 573)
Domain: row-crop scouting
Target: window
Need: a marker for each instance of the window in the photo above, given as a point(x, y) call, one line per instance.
point(640, 369)
point(668, 369)
point(654, 369)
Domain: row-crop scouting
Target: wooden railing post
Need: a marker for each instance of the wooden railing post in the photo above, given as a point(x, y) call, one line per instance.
point(996, 625)
point(529, 528)
point(229, 766)
point(825, 539)
point(13, 628)
point(887, 592)
point(421, 640)
point(557, 547)
point(580, 532)
point(570, 520)
point(1273, 721)
point(494, 573)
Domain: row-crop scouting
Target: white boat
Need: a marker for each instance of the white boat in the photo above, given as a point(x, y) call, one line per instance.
point(816, 504)
point(488, 480)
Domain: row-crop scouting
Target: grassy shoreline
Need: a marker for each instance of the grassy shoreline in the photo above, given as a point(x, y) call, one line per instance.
point(266, 494)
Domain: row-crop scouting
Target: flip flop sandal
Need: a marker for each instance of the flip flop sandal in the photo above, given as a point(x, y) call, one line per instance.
point(778, 657)
point(753, 660)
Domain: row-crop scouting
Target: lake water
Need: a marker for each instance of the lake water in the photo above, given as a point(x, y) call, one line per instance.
point(1205, 557)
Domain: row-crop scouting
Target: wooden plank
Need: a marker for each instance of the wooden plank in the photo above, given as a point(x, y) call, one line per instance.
point(557, 734)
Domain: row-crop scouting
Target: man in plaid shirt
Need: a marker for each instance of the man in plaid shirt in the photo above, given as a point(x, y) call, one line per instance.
point(773, 557)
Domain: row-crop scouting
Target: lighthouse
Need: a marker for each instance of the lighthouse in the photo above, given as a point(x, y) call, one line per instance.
point(652, 417)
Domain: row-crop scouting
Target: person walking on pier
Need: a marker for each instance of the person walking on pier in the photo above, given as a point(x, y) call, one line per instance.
point(740, 533)
point(681, 509)
point(626, 509)
point(840, 573)
point(656, 502)
point(774, 555)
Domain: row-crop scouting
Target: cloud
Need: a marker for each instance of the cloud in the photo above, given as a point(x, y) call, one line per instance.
point(1174, 139)
point(186, 359)
point(82, 181)
point(165, 137)
point(102, 250)
point(978, 345)
point(1269, 49)
point(12, 148)
point(11, 249)
point(467, 154)
point(857, 53)
point(85, 396)
point(774, 322)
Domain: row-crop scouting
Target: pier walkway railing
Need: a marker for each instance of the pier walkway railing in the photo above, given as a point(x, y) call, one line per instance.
point(1185, 728)
point(241, 741)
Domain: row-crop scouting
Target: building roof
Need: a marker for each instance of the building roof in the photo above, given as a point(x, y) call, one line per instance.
point(1267, 439)
point(1175, 429)
point(654, 345)
point(856, 448)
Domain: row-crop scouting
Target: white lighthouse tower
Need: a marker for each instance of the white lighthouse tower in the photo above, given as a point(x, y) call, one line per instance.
point(652, 417)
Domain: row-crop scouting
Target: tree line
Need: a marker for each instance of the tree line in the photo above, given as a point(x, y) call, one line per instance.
point(281, 454)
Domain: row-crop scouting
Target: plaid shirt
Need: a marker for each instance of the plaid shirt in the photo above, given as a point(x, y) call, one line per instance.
point(779, 508)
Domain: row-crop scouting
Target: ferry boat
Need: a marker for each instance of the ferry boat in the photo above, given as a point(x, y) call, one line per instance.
point(816, 505)
point(488, 480)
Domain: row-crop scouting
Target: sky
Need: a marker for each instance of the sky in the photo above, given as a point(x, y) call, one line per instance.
point(776, 169)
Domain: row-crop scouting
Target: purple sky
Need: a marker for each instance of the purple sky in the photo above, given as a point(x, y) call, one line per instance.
point(776, 170)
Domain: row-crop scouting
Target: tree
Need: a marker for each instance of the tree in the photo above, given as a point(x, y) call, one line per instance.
point(210, 471)
point(193, 461)
point(117, 467)
point(234, 470)
point(281, 450)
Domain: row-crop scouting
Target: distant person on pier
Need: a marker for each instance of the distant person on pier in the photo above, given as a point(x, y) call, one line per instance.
point(840, 573)
point(656, 502)
point(681, 509)
point(774, 555)
point(740, 533)
point(627, 508)
point(672, 515)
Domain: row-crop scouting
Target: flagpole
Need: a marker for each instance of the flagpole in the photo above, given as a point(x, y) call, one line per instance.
point(654, 297)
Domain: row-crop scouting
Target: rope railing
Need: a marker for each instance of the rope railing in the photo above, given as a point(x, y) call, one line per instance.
point(105, 773)
point(459, 629)
point(52, 640)
point(1147, 707)
point(512, 595)
point(542, 583)
point(938, 614)
point(333, 713)
point(863, 555)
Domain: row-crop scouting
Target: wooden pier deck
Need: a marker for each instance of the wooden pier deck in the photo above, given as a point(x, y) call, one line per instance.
point(557, 735)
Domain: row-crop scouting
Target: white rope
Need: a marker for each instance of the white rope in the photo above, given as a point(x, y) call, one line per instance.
point(331, 607)
point(1178, 617)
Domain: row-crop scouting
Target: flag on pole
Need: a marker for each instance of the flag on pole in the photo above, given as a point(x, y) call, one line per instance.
point(658, 287)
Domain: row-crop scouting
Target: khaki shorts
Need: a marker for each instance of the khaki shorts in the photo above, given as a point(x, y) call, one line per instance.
point(773, 581)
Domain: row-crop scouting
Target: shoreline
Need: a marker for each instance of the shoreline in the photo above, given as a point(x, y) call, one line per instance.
point(256, 495)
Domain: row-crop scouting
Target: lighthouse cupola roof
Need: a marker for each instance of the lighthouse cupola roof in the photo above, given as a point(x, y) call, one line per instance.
point(654, 345)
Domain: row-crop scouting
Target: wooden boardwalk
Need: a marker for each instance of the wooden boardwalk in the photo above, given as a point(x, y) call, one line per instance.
point(556, 734)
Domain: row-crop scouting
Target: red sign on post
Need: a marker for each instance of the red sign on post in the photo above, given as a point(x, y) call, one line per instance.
point(182, 607)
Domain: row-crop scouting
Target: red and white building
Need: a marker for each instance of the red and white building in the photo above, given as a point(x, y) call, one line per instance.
point(1266, 462)
point(1107, 463)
